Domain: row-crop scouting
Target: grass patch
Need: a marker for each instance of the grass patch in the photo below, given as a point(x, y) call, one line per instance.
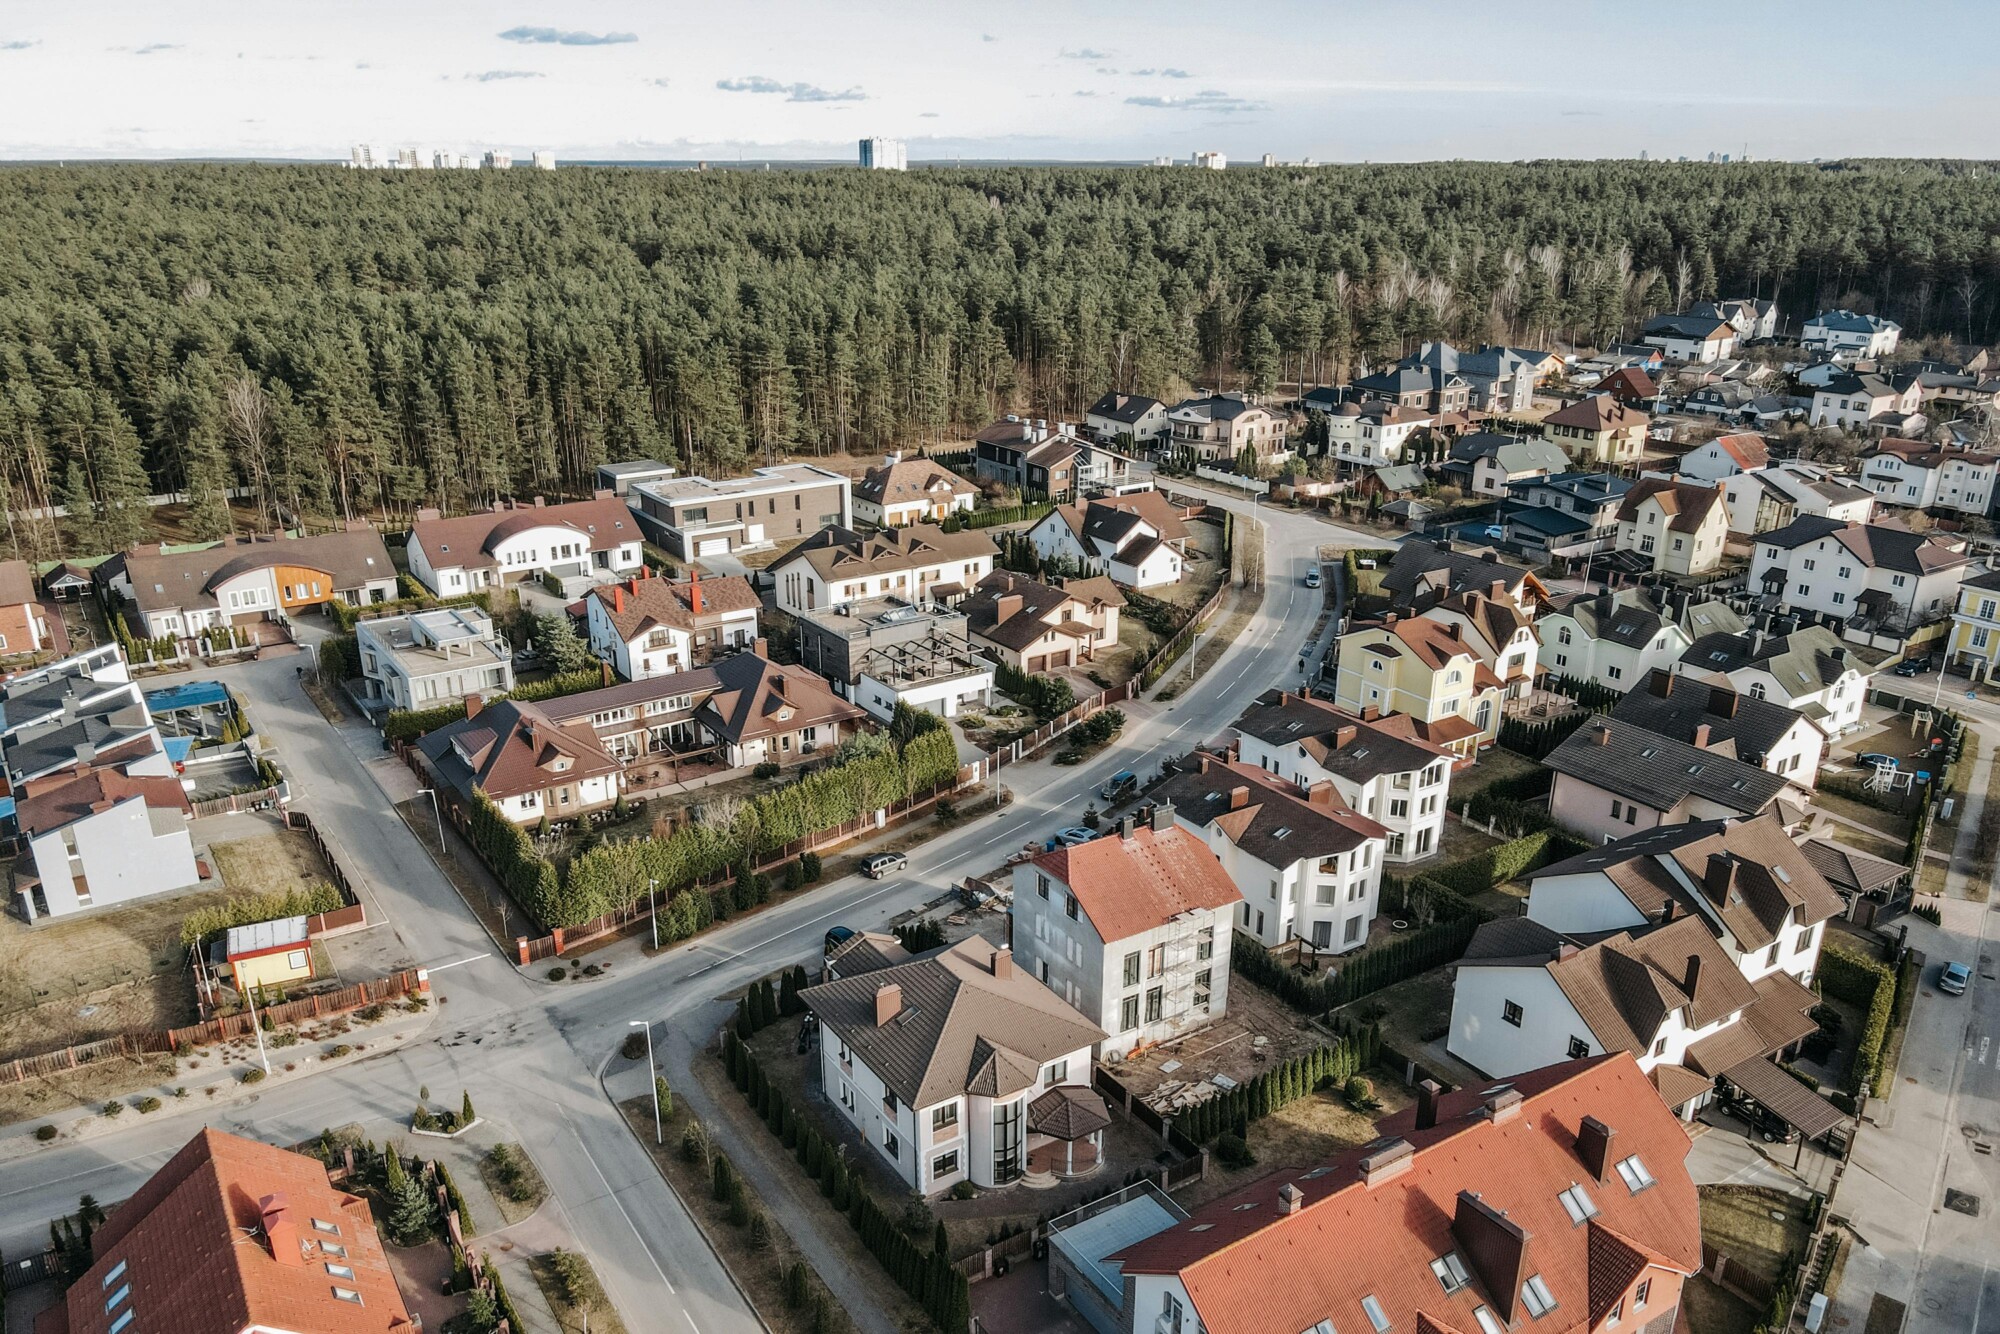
point(514, 1182)
point(270, 863)
point(83, 1087)
point(1887, 822)
point(1222, 632)
point(1737, 1221)
point(574, 1294)
point(1494, 766)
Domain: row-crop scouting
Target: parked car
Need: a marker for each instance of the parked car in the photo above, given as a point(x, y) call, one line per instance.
point(1074, 836)
point(1764, 1123)
point(1911, 667)
point(836, 936)
point(1495, 533)
point(1119, 786)
point(1952, 979)
point(1868, 759)
point(883, 863)
point(1312, 576)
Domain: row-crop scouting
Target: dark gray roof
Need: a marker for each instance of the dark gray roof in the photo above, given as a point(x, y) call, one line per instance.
point(1624, 617)
point(1754, 725)
point(1510, 940)
point(1881, 546)
point(1686, 326)
point(1421, 574)
point(1631, 762)
point(1276, 823)
point(1341, 743)
point(1846, 321)
point(1802, 661)
point(1127, 408)
point(1549, 521)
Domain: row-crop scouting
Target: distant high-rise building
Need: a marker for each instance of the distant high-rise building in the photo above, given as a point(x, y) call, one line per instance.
point(1163, 161)
point(885, 155)
point(1642, 155)
point(407, 160)
point(448, 161)
point(362, 156)
point(1268, 160)
point(496, 161)
point(1211, 160)
point(544, 160)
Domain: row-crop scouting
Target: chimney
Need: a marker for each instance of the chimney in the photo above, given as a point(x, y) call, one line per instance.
point(1387, 1158)
point(1722, 701)
point(1003, 963)
point(85, 752)
point(1504, 1105)
point(281, 1229)
point(1593, 1145)
point(1838, 654)
point(473, 704)
point(1720, 878)
point(1669, 910)
point(889, 1001)
point(1126, 823)
point(1290, 1199)
point(1427, 1103)
point(1701, 735)
point(1495, 1248)
point(1323, 795)
point(1498, 593)
point(1601, 735)
point(892, 458)
point(1565, 950)
point(1239, 797)
point(1370, 713)
point(1006, 605)
point(761, 647)
point(618, 598)
point(1163, 817)
point(1661, 683)
point(1453, 629)
point(1344, 735)
point(697, 600)
point(1284, 698)
point(1389, 619)
point(1756, 640)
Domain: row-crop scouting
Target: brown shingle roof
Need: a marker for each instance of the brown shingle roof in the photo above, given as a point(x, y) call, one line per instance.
point(758, 698)
point(513, 747)
point(61, 798)
point(1266, 817)
point(636, 605)
point(1599, 412)
point(188, 579)
point(1625, 987)
point(911, 479)
point(1686, 504)
point(17, 583)
point(839, 553)
point(469, 539)
point(1129, 885)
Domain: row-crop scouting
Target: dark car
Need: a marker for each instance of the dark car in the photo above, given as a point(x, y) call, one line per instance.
point(1764, 1123)
point(1868, 759)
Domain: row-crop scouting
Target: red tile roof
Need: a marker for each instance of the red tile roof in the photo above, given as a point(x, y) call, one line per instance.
point(1686, 505)
point(197, 1243)
point(636, 605)
point(1129, 885)
point(65, 797)
point(1250, 1269)
point(1747, 449)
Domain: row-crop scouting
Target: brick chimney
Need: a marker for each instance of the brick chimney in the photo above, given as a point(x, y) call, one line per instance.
point(1661, 682)
point(1343, 735)
point(1503, 1106)
point(889, 1002)
point(1290, 1199)
point(1601, 735)
point(281, 1229)
point(1499, 590)
point(1722, 701)
point(697, 600)
point(1239, 797)
point(1691, 977)
point(1702, 732)
point(1593, 1146)
point(1387, 1158)
point(1006, 605)
point(1427, 1103)
point(473, 704)
point(618, 598)
point(1719, 879)
point(1003, 963)
point(761, 647)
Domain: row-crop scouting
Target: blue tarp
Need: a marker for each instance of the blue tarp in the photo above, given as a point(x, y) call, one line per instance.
point(193, 695)
point(6, 807)
point(179, 748)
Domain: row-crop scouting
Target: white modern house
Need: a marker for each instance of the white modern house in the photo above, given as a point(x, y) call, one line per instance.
point(1139, 539)
point(1844, 334)
point(1369, 435)
point(427, 658)
point(586, 540)
point(1808, 669)
point(919, 564)
point(1132, 929)
point(1691, 338)
point(98, 838)
point(1911, 474)
point(652, 627)
point(1880, 573)
point(1307, 865)
point(1378, 766)
point(1609, 639)
point(959, 1066)
point(1869, 402)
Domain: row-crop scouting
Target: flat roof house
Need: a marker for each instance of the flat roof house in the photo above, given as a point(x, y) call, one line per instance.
point(692, 517)
point(883, 651)
point(427, 658)
point(98, 837)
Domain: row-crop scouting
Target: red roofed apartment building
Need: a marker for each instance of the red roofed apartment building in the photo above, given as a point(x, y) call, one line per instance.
point(1133, 929)
point(235, 1236)
point(1559, 1203)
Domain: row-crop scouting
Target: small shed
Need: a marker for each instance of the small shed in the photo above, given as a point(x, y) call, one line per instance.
point(269, 954)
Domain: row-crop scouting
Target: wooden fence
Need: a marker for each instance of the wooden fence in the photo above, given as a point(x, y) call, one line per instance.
point(302, 822)
point(324, 1005)
point(235, 801)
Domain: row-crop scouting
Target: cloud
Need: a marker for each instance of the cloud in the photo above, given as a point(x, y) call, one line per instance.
point(661, 83)
point(1086, 53)
point(496, 75)
point(362, 64)
point(927, 115)
point(1163, 73)
point(20, 45)
point(793, 92)
point(1105, 70)
point(1208, 99)
point(1083, 92)
point(558, 37)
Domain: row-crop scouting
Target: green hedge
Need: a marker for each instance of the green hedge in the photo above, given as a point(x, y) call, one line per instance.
point(202, 923)
point(506, 847)
point(1046, 695)
point(409, 724)
point(1332, 1063)
point(991, 518)
point(347, 616)
point(1497, 865)
point(1380, 965)
point(1869, 984)
point(1536, 739)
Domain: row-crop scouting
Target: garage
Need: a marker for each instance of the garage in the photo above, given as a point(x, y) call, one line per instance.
point(714, 546)
point(1038, 663)
point(1059, 659)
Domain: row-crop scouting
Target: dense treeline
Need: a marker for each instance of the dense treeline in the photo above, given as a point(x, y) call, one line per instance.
point(345, 341)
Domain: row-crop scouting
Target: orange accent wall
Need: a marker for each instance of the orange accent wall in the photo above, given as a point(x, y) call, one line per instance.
point(299, 577)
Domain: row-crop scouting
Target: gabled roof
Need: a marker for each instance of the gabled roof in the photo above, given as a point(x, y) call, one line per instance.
point(1749, 451)
point(1265, 817)
point(1628, 761)
point(1041, 609)
point(68, 796)
point(17, 583)
point(909, 480)
point(1846, 321)
point(1803, 662)
point(605, 524)
point(1433, 644)
point(1676, 706)
point(1421, 573)
point(637, 605)
point(1110, 518)
point(1623, 617)
point(1251, 1268)
point(837, 553)
point(1881, 546)
point(1850, 870)
point(755, 697)
point(1216, 407)
point(958, 1025)
point(1592, 488)
point(1126, 408)
point(196, 1246)
point(1687, 505)
point(1704, 327)
point(1127, 884)
point(1356, 749)
point(513, 747)
point(1598, 413)
point(1628, 383)
point(164, 582)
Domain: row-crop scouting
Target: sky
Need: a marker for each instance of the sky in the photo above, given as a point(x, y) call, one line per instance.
point(1334, 81)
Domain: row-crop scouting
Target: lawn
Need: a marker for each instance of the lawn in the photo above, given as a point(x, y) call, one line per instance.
point(1713, 1310)
point(1494, 766)
point(270, 863)
point(1737, 1221)
point(1413, 1012)
point(1300, 1133)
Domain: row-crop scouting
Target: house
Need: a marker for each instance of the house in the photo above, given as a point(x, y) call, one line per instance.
point(1497, 380)
point(959, 1066)
point(1222, 426)
point(1422, 384)
point(1566, 513)
point(1713, 717)
point(67, 581)
point(1812, 489)
point(1309, 866)
point(1131, 419)
point(906, 491)
point(100, 838)
point(1844, 334)
point(1614, 779)
point(1425, 668)
point(24, 622)
point(1133, 929)
point(1608, 639)
point(1139, 540)
point(1422, 574)
point(427, 658)
point(248, 580)
point(649, 627)
point(921, 563)
point(1368, 435)
point(525, 762)
point(1974, 645)
point(1724, 456)
point(1868, 402)
point(1498, 632)
point(1690, 337)
point(692, 517)
point(1615, 358)
point(82, 709)
point(618, 478)
point(1379, 766)
point(883, 651)
point(1403, 480)
point(1751, 317)
point(1563, 1192)
point(1486, 464)
point(274, 954)
point(583, 541)
point(1036, 627)
point(238, 1235)
point(1631, 387)
point(1808, 669)
point(1916, 475)
point(1525, 996)
point(1675, 528)
point(1025, 454)
point(1878, 572)
point(1598, 432)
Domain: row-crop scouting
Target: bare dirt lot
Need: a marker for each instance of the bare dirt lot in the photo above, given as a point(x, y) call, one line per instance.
point(269, 863)
point(1259, 1032)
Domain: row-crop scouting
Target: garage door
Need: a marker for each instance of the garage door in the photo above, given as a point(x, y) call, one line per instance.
point(1038, 663)
point(714, 546)
point(1059, 659)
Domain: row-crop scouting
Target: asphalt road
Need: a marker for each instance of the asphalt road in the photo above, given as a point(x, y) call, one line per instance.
point(532, 1054)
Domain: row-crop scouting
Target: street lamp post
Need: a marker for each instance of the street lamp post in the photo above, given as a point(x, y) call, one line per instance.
point(436, 814)
point(652, 903)
point(652, 1077)
point(250, 999)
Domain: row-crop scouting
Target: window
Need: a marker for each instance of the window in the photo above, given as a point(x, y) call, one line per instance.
point(1578, 1048)
point(1204, 944)
point(1203, 989)
point(1488, 1322)
point(112, 1275)
point(1535, 1295)
point(1155, 1004)
point(333, 1248)
point(890, 1144)
point(321, 1225)
point(1803, 941)
point(1056, 1072)
point(1069, 906)
point(1132, 969)
point(112, 1302)
point(1617, 809)
point(1450, 1271)
point(1511, 1013)
point(1351, 933)
point(1372, 1308)
point(1576, 1202)
point(1617, 1314)
point(122, 1321)
point(889, 1103)
point(1042, 886)
point(340, 1271)
point(1634, 1174)
point(1562, 634)
point(1170, 1312)
point(944, 1165)
point(1640, 1293)
point(1771, 955)
point(1660, 1047)
point(1128, 1014)
point(847, 1095)
point(945, 1117)
point(347, 1295)
point(1156, 960)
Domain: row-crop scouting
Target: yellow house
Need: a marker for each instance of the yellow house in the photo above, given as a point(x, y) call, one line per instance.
point(1424, 668)
point(1974, 646)
point(1598, 432)
point(1678, 527)
point(269, 954)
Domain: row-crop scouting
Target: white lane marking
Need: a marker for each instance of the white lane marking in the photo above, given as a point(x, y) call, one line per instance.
point(690, 1319)
point(734, 955)
point(470, 958)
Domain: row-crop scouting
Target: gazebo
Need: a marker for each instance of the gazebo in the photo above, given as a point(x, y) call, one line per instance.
point(1065, 1134)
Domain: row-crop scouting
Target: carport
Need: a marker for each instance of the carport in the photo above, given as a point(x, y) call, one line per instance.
point(1800, 1108)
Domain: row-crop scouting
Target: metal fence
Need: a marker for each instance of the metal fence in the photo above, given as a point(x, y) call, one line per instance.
point(235, 801)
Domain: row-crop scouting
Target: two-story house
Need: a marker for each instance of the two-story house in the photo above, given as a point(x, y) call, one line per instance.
point(582, 540)
point(1608, 639)
point(1714, 717)
point(1039, 627)
point(959, 1066)
point(1674, 527)
point(1724, 456)
point(524, 761)
point(97, 838)
point(1139, 540)
point(1220, 426)
point(24, 622)
point(693, 517)
point(1614, 779)
point(1809, 669)
point(1486, 464)
point(1869, 402)
point(649, 627)
point(1974, 647)
point(1116, 418)
point(1851, 337)
point(919, 563)
point(1308, 865)
point(1499, 380)
point(1879, 573)
point(1378, 766)
point(1425, 668)
point(1914, 475)
point(1498, 631)
point(1568, 514)
point(1812, 489)
point(1598, 432)
point(1133, 929)
point(1038, 459)
point(1752, 318)
point(906, 491)
point(427, 658)
point(1373, 434)
point(1691, 337)
point(1422, 574)
point(250, 579)
point(1419, 384)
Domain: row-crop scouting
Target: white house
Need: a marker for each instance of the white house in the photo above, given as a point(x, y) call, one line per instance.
point(1691, 337)
point(1880, 573)
point(1712, 716)
point(1751, 317)
point(1369, 435)
point(1614, 779)
point(1378, 766)
point(1866, 402)
point(1724, 456)
point(1915, 475)
point(651, 627)
point(433, 657)
point(1772, 497)
point(1808, 669)
point(1499, 634)
point(1308, 866)
point(530, 765)
point(99, 838)
point(1842, 333)
point(1138, 539)
point(960, 1066)
point(1132, 929)
point(1676, 527)
point(921, 563)
point(1115, 415)
point(249, 579)
point(594, 539)
point(1608, 639)
point(906, 491)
